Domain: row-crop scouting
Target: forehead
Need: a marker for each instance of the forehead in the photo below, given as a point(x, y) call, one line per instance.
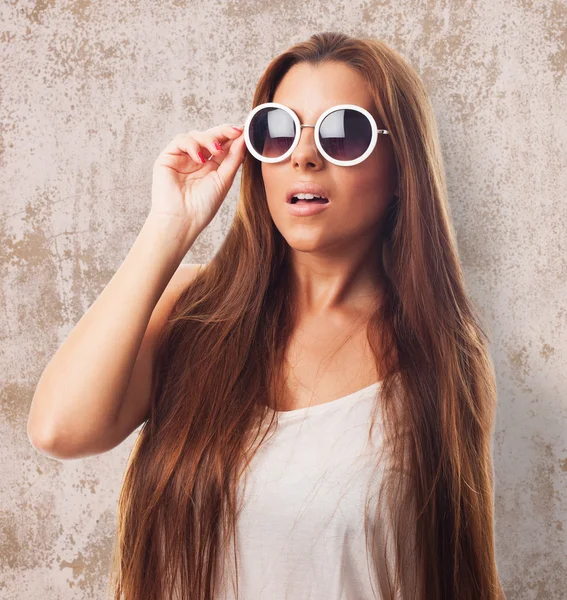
point(309, 90)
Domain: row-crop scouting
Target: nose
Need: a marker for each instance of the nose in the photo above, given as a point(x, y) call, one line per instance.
point(306, 152)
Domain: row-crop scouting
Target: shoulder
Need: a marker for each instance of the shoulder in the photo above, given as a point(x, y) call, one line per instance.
point(180, 280)
point(183, 276)
point(188, 271)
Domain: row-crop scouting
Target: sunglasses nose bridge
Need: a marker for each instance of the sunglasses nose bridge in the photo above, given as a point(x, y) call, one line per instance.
point(301, 127)
point(313, 142)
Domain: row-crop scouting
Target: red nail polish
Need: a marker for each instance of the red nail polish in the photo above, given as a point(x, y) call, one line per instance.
point(202, 158)
point(218, 146)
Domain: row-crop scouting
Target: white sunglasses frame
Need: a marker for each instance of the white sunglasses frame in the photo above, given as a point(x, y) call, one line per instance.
point(299, 126)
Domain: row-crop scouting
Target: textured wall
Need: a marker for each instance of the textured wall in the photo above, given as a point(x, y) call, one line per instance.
point(91, 92)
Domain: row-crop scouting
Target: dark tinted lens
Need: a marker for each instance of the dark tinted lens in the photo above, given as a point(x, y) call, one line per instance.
point(272, 132)
point(345, 134)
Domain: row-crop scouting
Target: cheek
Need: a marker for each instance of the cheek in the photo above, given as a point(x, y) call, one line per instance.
point(270, 183)
point(274, 199)
point(363, 196)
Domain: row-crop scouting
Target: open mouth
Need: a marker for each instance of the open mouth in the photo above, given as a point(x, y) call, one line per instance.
point(296, 200)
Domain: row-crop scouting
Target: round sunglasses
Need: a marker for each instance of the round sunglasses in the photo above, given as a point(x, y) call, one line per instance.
point(345, 134)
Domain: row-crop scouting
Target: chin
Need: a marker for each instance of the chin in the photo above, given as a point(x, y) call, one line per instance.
point(304, 239)
point(300, 234)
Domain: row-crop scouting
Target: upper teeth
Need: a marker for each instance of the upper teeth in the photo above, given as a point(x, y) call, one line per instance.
point(307, 196)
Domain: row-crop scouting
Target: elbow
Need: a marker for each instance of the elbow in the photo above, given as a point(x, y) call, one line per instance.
point(43, 436)
point(44, 445)
point(47, 444)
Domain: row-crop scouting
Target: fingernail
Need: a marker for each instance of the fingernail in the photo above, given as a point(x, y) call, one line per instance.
point(218, 146)
point(240, 128)
point(201, 157)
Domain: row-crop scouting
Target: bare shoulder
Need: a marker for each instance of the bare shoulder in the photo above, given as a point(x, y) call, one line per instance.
point(188, 271)
point(183, 276)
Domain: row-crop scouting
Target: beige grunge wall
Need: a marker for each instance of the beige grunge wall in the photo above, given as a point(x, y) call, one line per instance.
point(91, 92)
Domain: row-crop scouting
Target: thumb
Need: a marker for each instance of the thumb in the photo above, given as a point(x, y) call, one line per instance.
point(233, 159)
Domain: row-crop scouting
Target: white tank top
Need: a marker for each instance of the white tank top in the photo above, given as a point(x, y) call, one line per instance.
point(300, 534)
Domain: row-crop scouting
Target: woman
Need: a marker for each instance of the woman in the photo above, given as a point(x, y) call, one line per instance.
point(322, 400)
point(306, 310)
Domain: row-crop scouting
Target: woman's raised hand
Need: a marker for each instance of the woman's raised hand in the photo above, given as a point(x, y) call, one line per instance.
point(189, 189)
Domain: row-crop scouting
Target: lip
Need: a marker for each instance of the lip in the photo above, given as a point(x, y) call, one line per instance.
point(306, 210)
point(307, 187)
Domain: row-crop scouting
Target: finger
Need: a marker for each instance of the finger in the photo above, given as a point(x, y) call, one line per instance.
point(233, 159)
point(229, 134)
point(215, 139)
point(226, 130)
point(184, 144)
point(195, 142)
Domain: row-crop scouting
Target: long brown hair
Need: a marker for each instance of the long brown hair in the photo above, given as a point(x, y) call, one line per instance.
point(219, 358)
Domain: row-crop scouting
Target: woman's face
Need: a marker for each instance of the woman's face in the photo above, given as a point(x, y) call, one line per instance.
point(358, 194)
